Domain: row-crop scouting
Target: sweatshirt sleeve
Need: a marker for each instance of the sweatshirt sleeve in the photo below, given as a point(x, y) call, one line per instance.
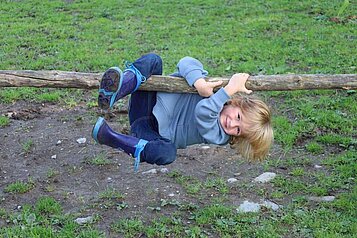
point(207, 114)
point(191, 69)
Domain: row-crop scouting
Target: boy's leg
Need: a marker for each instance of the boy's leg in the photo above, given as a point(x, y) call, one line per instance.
point(151, 147)
point(141, 105)
point(149, 64)
point(158, 150)
point(142, 102)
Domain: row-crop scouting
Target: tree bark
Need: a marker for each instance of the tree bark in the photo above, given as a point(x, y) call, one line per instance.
point(63, 79)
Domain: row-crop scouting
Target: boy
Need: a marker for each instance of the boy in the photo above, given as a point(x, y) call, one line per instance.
point(163, 122)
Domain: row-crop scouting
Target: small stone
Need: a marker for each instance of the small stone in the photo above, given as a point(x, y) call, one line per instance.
point(265, 177)
point(232, 180)
point(19, 207)
point(81, 140)
point(247, 206)
point(322, 199)
point(10, 114)
point(205, 147)
point(171, 195)
point(164, 170)
point(317, 166)
point(271, 205)
point(151, 171)
point(84, 220)
point(54, 157)
point(109, 180)
point(59, 142)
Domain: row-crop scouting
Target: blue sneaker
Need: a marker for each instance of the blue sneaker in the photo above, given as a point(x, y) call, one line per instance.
point(110, 85)
point(116, 84)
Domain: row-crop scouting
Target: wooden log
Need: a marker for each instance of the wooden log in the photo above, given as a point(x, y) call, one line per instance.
point(63, 79)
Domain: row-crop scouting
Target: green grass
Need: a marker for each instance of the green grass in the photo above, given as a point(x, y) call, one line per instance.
point(191, 185)
point(45, 219)
point(218, 184)
point(297, 172)
point(4, 121)
point(47, 205)
point(269, 37)
point(335, 139)
point(19, 187)
point(225, 222)
point(99, 160)
point(329, 117)
point(239, 36)
point(111, 193)
point(339, 177)
point(130, 227)
point(31, 94)
point(27, 146)
point(52, 173)
point(314, 147)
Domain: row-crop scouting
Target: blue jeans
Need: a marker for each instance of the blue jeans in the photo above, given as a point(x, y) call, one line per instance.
point(143, 123)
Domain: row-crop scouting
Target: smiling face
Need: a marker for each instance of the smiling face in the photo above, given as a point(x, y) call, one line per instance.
point(232, 120)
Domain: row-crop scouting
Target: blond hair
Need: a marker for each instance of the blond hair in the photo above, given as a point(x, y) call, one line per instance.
point(257, 137)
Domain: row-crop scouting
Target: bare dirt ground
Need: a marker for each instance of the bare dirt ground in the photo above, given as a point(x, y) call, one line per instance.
point(64, 171)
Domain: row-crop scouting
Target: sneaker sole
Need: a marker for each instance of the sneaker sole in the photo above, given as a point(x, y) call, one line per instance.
point(111, 76)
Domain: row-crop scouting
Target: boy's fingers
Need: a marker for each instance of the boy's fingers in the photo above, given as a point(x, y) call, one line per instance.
point(215, 84)
point(248, 91)
point(218, 83)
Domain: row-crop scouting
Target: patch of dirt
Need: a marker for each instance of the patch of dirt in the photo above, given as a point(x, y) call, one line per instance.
point(62, 169)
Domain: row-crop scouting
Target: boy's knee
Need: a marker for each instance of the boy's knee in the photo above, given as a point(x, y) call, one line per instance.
point(160, 152)
point(155, 58)
point(169, 156)
point(152, 56)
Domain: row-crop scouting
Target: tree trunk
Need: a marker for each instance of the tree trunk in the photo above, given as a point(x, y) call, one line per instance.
point(62, 79)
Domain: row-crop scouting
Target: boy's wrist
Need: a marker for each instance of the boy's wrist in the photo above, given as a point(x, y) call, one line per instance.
point(229, 90)
point(200, 83)
point(203, 88)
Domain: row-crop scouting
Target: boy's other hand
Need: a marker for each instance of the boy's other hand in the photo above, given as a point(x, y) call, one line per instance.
point(205, 89)
point(237, 84)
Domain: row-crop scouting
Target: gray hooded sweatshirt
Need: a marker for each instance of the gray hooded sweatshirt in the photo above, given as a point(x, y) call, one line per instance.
point(188, 119)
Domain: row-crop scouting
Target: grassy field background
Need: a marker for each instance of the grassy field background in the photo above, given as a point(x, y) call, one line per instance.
point(258, 37)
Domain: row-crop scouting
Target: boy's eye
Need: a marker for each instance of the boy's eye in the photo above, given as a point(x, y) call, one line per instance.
point(238, 117)
point(238, 130)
